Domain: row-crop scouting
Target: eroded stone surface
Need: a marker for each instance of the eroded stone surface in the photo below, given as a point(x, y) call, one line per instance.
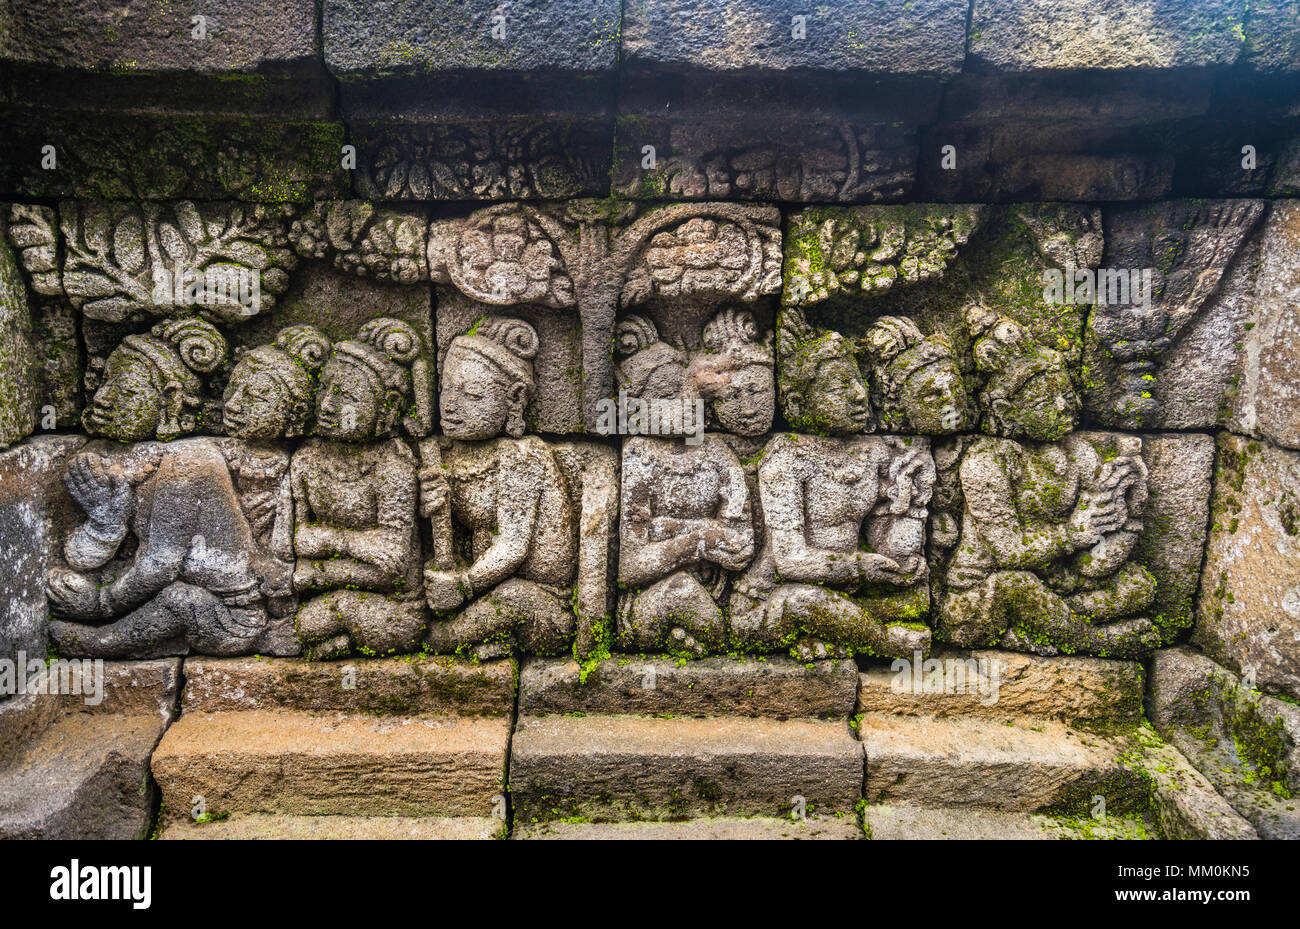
point(1250, 591)
point(775, 687)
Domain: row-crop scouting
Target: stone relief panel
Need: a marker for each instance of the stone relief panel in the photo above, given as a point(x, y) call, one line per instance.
point(568, 270)
point(877, 330)
point(355, 491)
point(521, 528)
point(686, 531)
point(840, 566)
point(175, 548)
point(1064, 547)
point(1167, 355)
point(126, 261)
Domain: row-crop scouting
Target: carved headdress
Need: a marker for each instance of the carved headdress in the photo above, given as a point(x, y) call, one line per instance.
point(509, 345)
point(389, 350)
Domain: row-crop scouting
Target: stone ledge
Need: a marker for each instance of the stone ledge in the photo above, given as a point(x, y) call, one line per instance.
point(261, 761)
point(411, 686)
point(758, 828)
point(612, 768)
point(312, 828)
point(773, 687)
point(1004, 684)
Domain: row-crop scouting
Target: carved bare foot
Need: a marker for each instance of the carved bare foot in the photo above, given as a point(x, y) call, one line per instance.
point(679, 640)
point(1129, 638)
point(337, 647)
point(813, 649)
point(72, 594)
point(904, 641)
point(1019, 642)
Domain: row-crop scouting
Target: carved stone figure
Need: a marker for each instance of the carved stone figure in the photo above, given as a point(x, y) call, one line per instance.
point(354, 492)
point(685, 529)
point(209, 568)
point(842, 567)
point(1028, 391)
point(151, 385)
point(517, 522)
point(272, 390)
point(820, 383)
point(731, 371)
point(1041, 561)
point(917, 386)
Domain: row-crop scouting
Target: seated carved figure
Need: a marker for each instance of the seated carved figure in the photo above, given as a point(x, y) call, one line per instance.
point(151, 385)
point(1041, 562)
point(201, 577)
point(1028, 390)
point(511, 573)
point(685, 528)
point(355, 498)
point(842, 566)
point(918, 386)
point(272, 390)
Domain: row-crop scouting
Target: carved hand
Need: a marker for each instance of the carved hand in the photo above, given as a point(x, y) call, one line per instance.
point(434, 491)
point(445, 590)
point(73, 595)
point(101, 491)
point(875, 567)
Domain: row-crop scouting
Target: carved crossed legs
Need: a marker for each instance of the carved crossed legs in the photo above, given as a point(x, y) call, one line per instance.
point(1017, 610)
point(336, 623)
point(885, 625)
point(533, 616)
point(181, 618)
point(676, 611)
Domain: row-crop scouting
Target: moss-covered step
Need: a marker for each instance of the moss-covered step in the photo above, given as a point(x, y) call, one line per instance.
point(883, 822)
point(996, 684)
point(620, 768)
point(775, 687)
point(76, 763)
point(1245, 743)
point(146, 156)
point(757, 828)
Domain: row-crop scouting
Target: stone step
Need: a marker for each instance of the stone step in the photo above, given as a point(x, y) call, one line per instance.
point(289, 761)
point(905, 822)
point(407, 686)
point(76, 758)
point(273, 826)
point(761, 828)
point(611, 768)
point(774, 687)
point(995, 684)
point(1019, 765)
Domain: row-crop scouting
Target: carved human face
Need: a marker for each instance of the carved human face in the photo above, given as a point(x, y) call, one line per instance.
point(839, 397)
point(744, 401)
point(257, 406)
point(934, 399)
point(1043, 405)
point(1046, 406)
point(347, 402)
point(477, 398)
point(128, 404)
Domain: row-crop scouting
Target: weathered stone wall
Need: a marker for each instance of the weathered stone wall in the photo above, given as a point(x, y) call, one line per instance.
point(337, 328)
